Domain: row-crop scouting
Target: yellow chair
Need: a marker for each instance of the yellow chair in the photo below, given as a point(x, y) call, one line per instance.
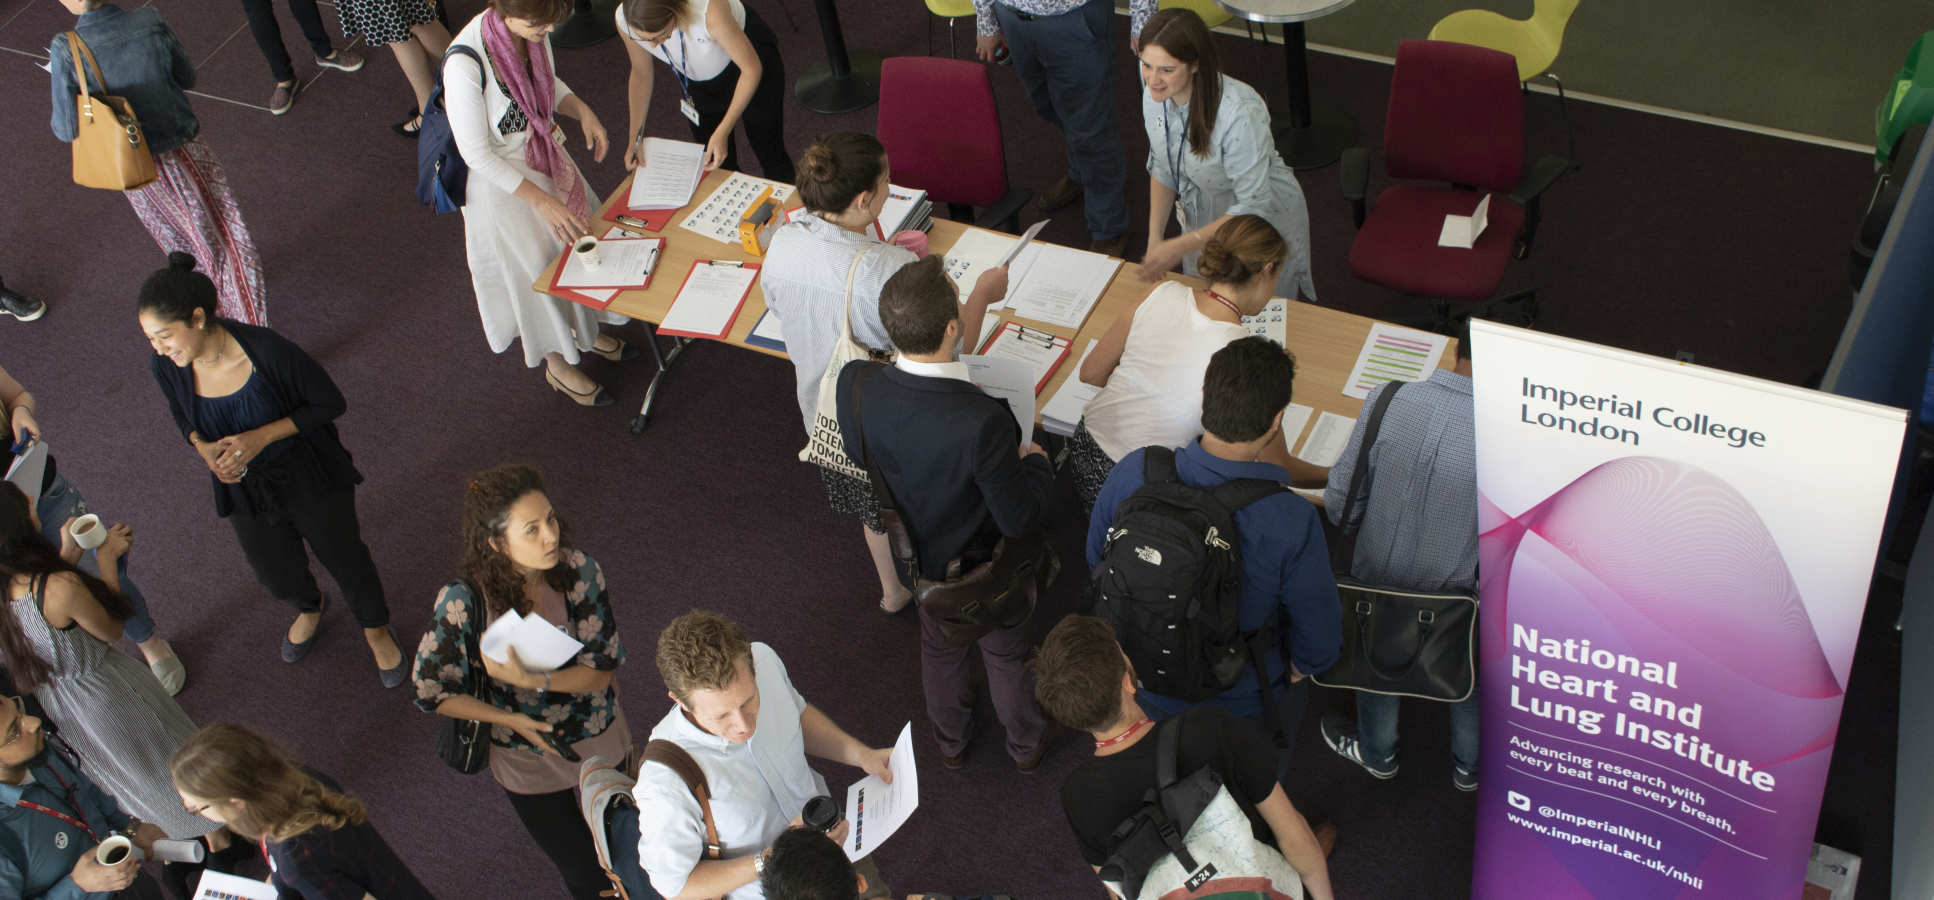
point(1534, 42)
point(953, 11)
point(1211, 13)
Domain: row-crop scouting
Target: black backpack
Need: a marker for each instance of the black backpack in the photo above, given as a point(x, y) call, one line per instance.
point(1170, 582)
point(1161, 824)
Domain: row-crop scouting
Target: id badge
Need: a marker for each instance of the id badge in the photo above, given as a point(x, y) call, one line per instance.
point(689, 109)
point(1182, 218)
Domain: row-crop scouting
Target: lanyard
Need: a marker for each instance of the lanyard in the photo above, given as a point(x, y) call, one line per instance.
point(1224, 301)
point(72, 801)
point(1174, 153)
point(678, 68)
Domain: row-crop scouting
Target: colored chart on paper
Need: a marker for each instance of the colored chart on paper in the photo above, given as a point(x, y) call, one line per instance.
point(1391, 353)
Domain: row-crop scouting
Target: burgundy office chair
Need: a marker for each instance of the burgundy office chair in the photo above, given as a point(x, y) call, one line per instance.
point(1456, 117)
point(943, 136)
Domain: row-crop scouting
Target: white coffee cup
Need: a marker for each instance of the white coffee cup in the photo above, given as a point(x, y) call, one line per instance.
point(88, 531)
point(586, 249)
point(114, 851)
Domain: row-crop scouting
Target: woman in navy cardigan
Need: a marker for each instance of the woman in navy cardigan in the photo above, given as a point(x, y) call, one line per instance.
point(260, 413)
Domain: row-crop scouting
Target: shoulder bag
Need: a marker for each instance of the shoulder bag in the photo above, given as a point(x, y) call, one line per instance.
point(109, 152)
point(1399, 642)
point(970, 602)
point(824, 447)
point(464, 744)
point(671, 756)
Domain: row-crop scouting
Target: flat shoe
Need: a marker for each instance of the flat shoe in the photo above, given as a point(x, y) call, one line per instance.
point(623, 352)
point(294, 652)
point(171, 673)
point(410, 129)
point(597, 397)
point(394, 675)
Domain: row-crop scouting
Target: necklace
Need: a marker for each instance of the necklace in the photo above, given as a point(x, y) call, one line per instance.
point(220, 351)
point(1224, 301)
point(1110, 742)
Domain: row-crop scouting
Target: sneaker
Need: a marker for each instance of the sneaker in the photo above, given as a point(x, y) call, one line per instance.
point(21, 306)
point(1463, 779)
point(1341, 736)
point(346, 60)
point(284, 97)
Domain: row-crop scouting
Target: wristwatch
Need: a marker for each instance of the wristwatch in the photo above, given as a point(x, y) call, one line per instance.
point(759, 864)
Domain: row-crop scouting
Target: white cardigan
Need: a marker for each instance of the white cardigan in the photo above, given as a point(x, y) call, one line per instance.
point(475, 111)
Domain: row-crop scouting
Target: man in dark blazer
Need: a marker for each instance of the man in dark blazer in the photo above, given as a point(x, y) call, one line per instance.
point(952, 457)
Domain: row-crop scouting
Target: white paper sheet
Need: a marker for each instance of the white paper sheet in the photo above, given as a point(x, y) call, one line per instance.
point(876, 809)
point(622, 263)
point(718, 216)
point(1040, 350)
point(29, 469)
point(1272, 322)
point(1326, 440)
point(1027, 237)
point(1007, 379)
point(668, 174)
point(988, 325)
point(223, 886)
point(975, 252)
point(1061, 284)
point(1393, 353)
point(1063, 411)
point(709, 300)
point(540, 646)
point(1295, 419)
point(766, 332)
point(1462, 232)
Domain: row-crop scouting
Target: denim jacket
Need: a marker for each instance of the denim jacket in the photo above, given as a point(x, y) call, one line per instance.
point(142, 61)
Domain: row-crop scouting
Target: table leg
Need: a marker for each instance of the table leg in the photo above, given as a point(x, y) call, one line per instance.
point(843, 82)
point(1307, 141)
point(589, 23)
point(664, 363)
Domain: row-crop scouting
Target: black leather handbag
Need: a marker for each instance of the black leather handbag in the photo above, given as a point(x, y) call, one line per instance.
point(1398, 642)
point(464, 744)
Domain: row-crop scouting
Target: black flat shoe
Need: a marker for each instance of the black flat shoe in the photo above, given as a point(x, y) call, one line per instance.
point(409, 129)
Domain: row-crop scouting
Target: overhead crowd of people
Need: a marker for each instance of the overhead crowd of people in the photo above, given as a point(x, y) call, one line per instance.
point(951, 498)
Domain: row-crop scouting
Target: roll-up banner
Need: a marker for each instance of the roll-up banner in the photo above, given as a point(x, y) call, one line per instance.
point(1673, 565)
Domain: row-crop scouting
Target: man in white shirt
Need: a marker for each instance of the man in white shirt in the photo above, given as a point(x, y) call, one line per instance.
point(749, 730)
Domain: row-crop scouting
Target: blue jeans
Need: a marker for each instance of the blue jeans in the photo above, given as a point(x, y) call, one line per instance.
point(1376, 726)
point(63, 501)
point(1066, 64)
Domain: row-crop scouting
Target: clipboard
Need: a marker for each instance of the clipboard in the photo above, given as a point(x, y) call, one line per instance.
point(645, 219)
point(600, 298)
point(1041, 349)
point(617, 279)
point(673, 324)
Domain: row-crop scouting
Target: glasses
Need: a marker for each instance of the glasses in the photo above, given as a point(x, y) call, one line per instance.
point(15, 729)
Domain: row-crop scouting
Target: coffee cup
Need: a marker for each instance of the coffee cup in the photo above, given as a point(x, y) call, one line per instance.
point(586, 249)
point(821, 814)
point(114, 851)
point(88, 531)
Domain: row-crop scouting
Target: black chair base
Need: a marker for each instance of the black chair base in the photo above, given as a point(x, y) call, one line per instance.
point(1443, 321)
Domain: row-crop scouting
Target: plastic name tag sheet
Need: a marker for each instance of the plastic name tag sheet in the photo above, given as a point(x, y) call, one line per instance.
point(718, 217)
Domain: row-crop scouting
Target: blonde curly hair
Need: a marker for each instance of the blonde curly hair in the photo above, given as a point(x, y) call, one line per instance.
point(700, 651)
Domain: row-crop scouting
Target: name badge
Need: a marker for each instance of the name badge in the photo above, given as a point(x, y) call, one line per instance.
point(689, 109)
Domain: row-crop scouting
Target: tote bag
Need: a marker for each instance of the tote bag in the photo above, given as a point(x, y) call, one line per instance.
point(109, 152)
point(824, 446)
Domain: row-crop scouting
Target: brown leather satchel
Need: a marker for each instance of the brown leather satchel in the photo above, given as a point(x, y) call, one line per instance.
point(110, 151)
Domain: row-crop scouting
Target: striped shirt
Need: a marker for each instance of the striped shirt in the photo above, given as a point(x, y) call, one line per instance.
point(804, 279)
point(986, 26)
point(1419, 501)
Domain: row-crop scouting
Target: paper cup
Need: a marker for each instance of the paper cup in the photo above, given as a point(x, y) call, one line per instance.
point(114, 851)
point(912, 240)
point(586, 249)
point(88, 531)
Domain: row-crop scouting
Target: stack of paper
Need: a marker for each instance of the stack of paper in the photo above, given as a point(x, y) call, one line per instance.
point(1040, 350)
point(1006, 379)
point(540, 646)
point(1064, 409)
point(668, 173)
point(1060, 284)
point(906, 209)
point(1326, 440)
point(1271, 323)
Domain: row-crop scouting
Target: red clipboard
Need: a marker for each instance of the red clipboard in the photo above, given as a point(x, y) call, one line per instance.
point(654, 219)
point(577, 296)
point(1022, 332)
point(736, 309)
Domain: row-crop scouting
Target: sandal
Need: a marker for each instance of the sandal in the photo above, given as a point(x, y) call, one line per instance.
point(597, 396)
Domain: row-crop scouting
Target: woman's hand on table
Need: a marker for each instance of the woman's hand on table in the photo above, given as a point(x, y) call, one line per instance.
point(1162, 257)
point(716, 150)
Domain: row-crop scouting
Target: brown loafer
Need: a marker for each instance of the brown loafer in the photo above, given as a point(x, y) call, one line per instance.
point(1062, 193)
point(1031, 763)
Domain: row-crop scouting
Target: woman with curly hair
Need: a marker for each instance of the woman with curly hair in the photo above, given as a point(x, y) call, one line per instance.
point(517, 555)
point(318, 841)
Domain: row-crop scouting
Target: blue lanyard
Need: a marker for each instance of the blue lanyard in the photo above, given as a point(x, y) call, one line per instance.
point(684, 56)
point(1174, 154)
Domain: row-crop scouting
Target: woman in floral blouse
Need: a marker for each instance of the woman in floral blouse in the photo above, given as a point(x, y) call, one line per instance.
point(517, 555)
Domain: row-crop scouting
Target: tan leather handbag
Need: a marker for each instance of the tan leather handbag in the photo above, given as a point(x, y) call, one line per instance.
point(110, 152)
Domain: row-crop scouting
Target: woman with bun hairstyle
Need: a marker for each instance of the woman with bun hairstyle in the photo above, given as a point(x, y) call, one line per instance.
point(518, 556)
point(728, 68)
point(1211, 154)
point(525, 199)
point(830, 265)
point(260, 413)
point(318, 840)
point(189, 206)
point(1151, 361)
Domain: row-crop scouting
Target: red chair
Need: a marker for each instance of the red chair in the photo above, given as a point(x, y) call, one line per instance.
point(943, 136)
point(1456, 118)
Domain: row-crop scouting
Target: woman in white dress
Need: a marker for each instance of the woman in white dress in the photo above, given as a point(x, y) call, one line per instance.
point(1211, 155)
point(525, 199)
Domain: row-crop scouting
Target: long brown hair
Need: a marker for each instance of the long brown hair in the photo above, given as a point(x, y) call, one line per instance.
point(227, 762)
point(486, 515)
point(1182, 34)
point(25, 551)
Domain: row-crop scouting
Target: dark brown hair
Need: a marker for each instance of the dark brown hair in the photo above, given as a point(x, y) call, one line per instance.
point(1183, 35)
point(486, 515)
point(173, 294)
point(542, 12)
point(1247, 385)
point(1240, 249)
point(837, 168)
point(700, 651)
point(227, 762)
point(916, 304)
point(25, 551)
point(1077, 673)
point(647, 17)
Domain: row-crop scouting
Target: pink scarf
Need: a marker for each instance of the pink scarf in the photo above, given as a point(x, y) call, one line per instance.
point(533, 88)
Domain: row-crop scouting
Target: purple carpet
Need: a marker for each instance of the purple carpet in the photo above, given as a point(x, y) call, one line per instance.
point(1673, 236)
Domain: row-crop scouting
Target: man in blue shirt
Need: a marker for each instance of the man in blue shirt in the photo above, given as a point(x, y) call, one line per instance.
point(1285, 561)
point(52, 817)
point(1418, 508)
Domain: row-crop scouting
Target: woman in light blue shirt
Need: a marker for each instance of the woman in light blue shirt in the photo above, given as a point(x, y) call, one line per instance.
point(1211, 155)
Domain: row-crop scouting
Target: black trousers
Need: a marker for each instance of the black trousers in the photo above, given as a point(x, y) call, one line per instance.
point(557, 825)
point(268, 33)
point(764, 120)
point(273, 543)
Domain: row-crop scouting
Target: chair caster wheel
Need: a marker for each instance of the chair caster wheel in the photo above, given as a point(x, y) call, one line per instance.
point(638, 423)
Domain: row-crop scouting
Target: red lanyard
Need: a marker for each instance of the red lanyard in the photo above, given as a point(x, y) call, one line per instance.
point(71, 801)
point(1224, 301)
point(1103, 745)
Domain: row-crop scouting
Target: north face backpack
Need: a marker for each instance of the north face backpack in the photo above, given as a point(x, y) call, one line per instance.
point(440, 169)
point(1170, 582)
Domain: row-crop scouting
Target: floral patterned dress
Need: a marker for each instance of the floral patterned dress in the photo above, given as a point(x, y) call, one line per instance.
point(447, 657)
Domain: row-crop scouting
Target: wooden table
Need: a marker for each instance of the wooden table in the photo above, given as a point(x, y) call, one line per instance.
point(1325, 341)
